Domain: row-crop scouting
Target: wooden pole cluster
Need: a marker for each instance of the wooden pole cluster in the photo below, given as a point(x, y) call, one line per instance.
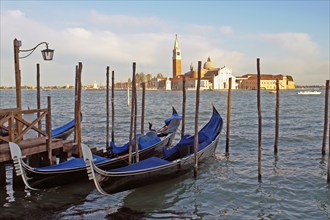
point(78, 108)
point(325, 128)
point(228, 116)
point(38, 98)
point(143, 106)
point(133, 119)
point(196, 119)
point(277, 112)
point(259, 120)
point(107, 109)
point(183, 105)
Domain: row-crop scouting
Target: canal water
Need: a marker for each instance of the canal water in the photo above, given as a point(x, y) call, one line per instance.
point(293, 183)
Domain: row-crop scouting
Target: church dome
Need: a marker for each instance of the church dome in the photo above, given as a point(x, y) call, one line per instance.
point(208, 65)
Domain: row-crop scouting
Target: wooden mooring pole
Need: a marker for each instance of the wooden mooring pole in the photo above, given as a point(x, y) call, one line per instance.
point(38, 98)
point(136, 143)
point(143, 106)
point(196, 119)
point(228, 116)
point(75, 105)
point(183, 105)
point(17, 45)
point(277, 112)
point(49, 130)
point(107, 110)
point(78, 108)
point(259, 120)
point(325, 128)
point(113, 107)
point(132, 118)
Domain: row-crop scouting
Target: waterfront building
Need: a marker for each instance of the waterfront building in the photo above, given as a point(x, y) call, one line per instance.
point(164, 83)
point(218, 77)
point(212, 77)
point(267, 82)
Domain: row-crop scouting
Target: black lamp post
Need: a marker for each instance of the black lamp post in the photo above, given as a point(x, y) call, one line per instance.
point(47, 54)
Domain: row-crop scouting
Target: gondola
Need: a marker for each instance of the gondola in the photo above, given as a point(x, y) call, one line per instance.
point(64, 131)
point(74, 169)
point(176, 160)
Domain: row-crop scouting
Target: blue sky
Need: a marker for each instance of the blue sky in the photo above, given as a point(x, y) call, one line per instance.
point(289, 37)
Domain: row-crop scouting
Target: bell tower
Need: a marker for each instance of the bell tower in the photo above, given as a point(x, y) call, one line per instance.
point(176, 58)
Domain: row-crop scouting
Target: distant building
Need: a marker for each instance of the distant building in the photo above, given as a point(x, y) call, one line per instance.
point(212, 77)
point(164, 84)
point(122, 85)
point(176, 58)
point(95, 86)
point(190, 83)
point(267, 81)
point(218, 77)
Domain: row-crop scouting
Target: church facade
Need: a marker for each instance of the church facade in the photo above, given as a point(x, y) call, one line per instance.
point(212, 77)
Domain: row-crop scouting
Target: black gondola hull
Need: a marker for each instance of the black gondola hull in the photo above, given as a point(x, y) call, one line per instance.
point(112, 182)
point(47, 179)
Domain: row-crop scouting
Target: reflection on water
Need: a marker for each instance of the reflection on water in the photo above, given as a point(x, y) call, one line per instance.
point(293, 182)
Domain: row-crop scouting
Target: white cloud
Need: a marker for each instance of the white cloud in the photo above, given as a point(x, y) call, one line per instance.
point(299, 43)
point(79, 33)
point(226, 30)
point(200, 29)
point(15, 14)
point(313, 72)
point(123, 21)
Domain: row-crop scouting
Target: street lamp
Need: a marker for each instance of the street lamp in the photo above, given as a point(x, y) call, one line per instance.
point(47, 54)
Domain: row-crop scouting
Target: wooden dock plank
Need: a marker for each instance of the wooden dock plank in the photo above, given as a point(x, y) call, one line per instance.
point(34, 146)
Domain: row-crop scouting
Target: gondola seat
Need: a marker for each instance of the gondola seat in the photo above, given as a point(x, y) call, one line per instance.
point(186, 146)
point(148, 139)
point(144, 164)
point(72, 163)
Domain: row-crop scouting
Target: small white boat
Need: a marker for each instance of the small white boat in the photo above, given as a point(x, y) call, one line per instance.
point(309, 93)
